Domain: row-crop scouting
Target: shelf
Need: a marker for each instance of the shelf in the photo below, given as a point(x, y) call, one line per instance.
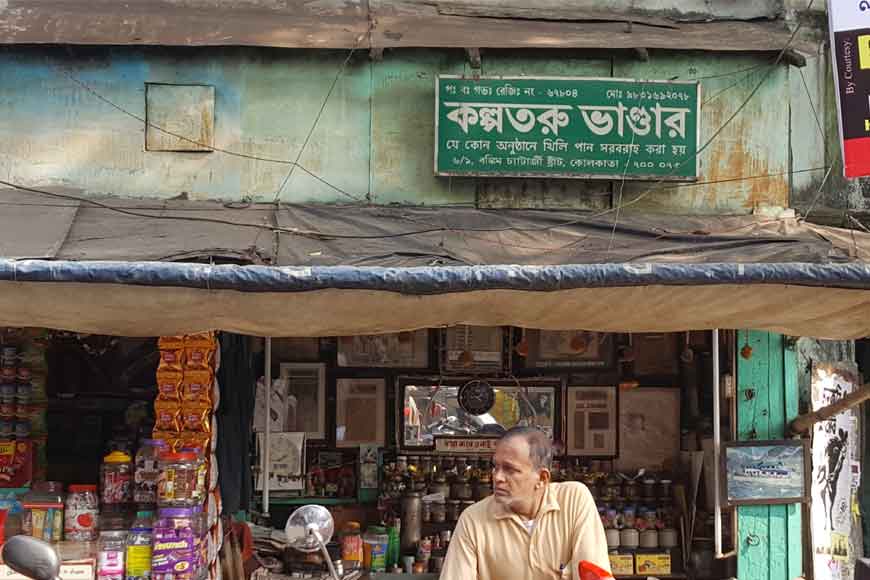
point(313, 500)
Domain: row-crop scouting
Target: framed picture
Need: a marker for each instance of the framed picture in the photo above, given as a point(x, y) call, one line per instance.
point(460, 414)
point(360, 417)
point(396, 350)
point(591, 426)
point(766, 472)
point(569, 349)
point(649, 429)
point(305, 402)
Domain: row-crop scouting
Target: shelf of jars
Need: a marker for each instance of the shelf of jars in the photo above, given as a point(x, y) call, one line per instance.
point(639, 511)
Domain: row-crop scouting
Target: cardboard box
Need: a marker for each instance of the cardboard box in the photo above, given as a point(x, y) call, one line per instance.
point(653, 564)
point(16, 463)
point(622, 564)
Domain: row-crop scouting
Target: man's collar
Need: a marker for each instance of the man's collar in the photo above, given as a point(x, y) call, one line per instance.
point(549, 504)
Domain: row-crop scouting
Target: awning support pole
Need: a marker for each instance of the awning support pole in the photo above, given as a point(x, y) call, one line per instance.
point(267, 459)
point(717, 444)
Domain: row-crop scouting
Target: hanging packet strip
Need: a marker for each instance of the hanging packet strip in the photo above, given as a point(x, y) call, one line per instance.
point(167, 416)
point(196, 418)
point(171, 360)
point(170, 342)
point(196, 386)
point(199, 357)
point(169, 385)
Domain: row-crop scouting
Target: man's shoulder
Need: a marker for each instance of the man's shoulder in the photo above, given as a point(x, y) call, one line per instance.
point(571, 493)
point(571, 488)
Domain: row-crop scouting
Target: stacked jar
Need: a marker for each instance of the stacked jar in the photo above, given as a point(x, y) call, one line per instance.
point(82, 513)
point(116, 477)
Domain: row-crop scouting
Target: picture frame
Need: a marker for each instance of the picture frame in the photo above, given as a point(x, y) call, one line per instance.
point(360, 415)
point(432, 401)
point(394, 350)
point(306, 385)
point(592, 421)
point(570, 349)
point(765, 472)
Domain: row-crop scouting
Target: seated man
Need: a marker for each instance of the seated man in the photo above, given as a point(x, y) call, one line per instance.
point(529, 529)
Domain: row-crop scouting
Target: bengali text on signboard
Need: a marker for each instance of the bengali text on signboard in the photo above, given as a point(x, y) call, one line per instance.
point(566, 127)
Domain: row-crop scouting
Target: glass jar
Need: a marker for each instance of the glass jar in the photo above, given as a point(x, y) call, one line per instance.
point(649, 487)
point(179, 483)
point(439, 512)
point(110, 556)
point(82, 513)
point(116, 475)
point(42, 512)
point(454, 507)
point(147, 471)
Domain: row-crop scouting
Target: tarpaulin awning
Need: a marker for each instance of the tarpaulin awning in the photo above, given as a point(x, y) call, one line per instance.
point(309, 270)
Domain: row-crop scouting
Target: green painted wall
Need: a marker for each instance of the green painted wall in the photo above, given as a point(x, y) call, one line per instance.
point(374, 138)
point(769, 544)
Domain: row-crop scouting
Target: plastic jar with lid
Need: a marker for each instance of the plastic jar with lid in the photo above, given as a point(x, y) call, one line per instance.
point(116, 476)
point(147, 471)
point(179, 483)
point(82, 513)
point(375, 542)
point(352, 546)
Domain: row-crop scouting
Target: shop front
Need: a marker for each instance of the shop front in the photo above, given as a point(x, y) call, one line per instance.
point(391, 357)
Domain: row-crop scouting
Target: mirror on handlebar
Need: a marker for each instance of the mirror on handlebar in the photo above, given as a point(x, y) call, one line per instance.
point(31, 557)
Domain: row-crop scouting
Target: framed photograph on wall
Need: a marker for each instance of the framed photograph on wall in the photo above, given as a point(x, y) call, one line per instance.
point(305, 403)
point(592, 425)
point(360, 417)
point(395, 350)
point(766, 472)
point(569, 349)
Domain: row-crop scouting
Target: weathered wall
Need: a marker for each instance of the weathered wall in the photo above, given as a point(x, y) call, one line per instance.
point(375, 137)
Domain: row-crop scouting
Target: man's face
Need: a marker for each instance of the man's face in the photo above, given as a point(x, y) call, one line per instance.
point(515, 479)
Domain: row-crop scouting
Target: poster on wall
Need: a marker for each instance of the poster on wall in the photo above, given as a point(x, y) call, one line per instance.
point(835, 444)
point(287, 461)
point(850, 48)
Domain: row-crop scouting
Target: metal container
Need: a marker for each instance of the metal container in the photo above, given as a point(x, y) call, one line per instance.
point(454, 506)
point(482, 490)
point(649, 539)
point(412, 521)
point(461, 490)
point(440, 485)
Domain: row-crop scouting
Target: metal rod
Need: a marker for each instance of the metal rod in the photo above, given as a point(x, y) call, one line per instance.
point(717, 443)
point(267, 452)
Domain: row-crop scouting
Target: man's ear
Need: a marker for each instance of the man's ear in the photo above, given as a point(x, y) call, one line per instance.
point(544, 475)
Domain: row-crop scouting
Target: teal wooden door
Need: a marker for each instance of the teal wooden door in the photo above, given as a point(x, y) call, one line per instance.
point(769, 545)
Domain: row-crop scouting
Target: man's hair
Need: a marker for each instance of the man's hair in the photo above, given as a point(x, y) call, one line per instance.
point(540, 446)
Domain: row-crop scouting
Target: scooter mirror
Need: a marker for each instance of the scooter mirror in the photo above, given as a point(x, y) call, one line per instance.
point(31, 557)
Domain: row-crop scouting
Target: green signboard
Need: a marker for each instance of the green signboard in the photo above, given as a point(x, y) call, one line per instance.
point(590, 128)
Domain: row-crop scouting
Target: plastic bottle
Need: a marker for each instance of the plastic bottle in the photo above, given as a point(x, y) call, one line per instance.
point(138, 560)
